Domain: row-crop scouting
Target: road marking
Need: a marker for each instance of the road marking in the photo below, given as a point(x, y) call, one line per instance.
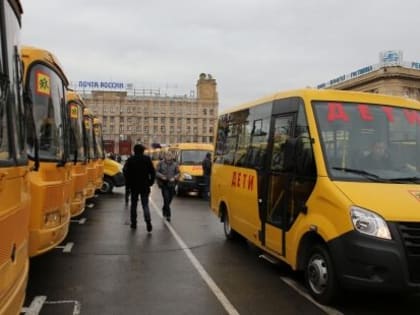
point(81, 221)
point(90, 205)
point(35, 306)
point(39, 301)
point(66, 248)
point(76, 308)
point(230, 309)
point(294, 285)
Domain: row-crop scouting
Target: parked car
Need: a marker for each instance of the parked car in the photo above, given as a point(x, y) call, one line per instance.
point(113, 176)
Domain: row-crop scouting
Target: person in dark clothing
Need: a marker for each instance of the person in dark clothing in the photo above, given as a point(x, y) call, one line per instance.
point(140, 175)
point(206, 164)
point(167, 173)
point(127, 187)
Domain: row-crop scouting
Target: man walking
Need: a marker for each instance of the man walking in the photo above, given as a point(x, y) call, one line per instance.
point(206, 164)
point(140, 175)
point(167, 174)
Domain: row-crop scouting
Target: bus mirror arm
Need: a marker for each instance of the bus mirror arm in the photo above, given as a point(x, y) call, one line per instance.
point(30, 123)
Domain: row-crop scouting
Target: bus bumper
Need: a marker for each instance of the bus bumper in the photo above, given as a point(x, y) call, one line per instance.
point(118, 179)
point(41, 241)
point(194, 185)
point(367, 262)
point(77, 204)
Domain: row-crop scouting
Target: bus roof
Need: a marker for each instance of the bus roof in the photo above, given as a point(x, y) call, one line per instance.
point(330, 95)
point(73, 96)
point(32, 54)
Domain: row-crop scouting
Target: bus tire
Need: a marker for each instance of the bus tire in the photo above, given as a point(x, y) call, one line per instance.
point(107, 186)
point(320, 276)
point(227, 228)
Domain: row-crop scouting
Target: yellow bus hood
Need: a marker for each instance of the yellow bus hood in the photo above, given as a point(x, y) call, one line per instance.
point(193, 170)
point(394, 202)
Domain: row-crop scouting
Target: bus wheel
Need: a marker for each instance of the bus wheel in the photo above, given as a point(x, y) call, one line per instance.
point(107, 186)
point(320, 276)
point(229, 232)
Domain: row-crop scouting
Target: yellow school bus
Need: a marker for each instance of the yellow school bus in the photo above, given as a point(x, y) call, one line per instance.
point(189, 157)
point(292, 174)
point(99, 152)
point(45, 85)
point(90, 152)
point(14, 181)
point(77, 153)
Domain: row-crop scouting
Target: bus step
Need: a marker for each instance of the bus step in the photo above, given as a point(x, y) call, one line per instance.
point(269, 258)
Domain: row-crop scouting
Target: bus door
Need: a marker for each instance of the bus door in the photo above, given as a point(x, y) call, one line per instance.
point(280, 176)
point(292, 175)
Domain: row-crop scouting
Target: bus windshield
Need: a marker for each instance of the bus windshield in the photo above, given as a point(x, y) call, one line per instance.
point(47, 94)
point(98, 141)
point(369, 142)
point(76, 136)
point(192, 157)
point(89, 138)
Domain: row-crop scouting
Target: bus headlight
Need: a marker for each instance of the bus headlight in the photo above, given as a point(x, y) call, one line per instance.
point(186, 176)
point(52, 219)
point(369, 223)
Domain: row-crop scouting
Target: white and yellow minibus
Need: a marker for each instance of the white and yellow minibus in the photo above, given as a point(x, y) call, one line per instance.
point(293, 174)
point(14, 180)
point(189, 156)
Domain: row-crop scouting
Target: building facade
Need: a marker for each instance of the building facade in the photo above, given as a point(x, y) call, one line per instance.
point(150, 118)
point(391, 76)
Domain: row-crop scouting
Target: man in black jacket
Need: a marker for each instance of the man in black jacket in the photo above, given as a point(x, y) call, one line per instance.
point(140, 176)
point(206, 164)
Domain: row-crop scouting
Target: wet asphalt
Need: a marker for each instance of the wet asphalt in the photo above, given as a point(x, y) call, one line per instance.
point(182, 267)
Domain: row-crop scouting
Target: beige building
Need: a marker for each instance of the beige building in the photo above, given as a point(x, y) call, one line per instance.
point(390, 76)
point(145, 116)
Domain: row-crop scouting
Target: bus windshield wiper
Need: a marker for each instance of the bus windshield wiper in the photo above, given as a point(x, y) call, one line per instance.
point(364, 173)
point(412, 179)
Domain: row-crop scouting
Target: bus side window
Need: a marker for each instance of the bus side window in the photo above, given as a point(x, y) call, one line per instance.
point(305, 163)
point(289, 155)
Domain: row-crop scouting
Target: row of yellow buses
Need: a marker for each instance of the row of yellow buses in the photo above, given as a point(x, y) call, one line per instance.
point(300, 175)
point(51, 156)
point(64, 147)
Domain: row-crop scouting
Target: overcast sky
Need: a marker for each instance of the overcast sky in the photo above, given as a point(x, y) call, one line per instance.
point(251, 47)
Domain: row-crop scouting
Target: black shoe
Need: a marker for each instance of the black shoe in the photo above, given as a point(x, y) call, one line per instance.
point(133, 226)
point(168, 218)
point(149, 226)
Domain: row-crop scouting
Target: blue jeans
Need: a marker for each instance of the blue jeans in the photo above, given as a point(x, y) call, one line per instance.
point(168, 192)
point(144, 196)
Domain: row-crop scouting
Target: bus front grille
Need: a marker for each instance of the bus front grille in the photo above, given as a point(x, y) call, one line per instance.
point(410, 234)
